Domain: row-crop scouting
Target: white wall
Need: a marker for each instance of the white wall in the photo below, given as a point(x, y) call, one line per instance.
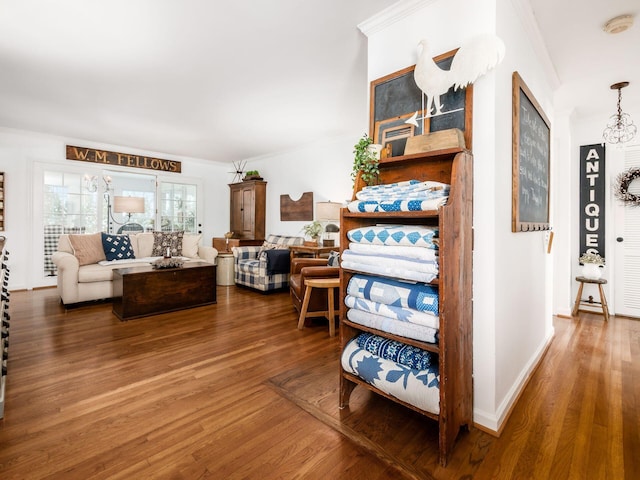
point(323, 168)
point(23, 153)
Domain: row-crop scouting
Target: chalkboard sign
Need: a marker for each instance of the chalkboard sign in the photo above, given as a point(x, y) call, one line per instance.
point(530, 157)
point(396, 97)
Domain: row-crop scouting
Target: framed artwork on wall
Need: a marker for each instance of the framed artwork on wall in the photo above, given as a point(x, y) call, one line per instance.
point(395, 98)
point(531, 139)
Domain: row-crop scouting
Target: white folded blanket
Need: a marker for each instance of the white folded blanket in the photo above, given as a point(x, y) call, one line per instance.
point(391, 265)
point(390, 311)
point(396, 327)
point(409, 252)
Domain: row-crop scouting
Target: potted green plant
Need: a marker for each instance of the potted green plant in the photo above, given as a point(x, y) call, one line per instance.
point(313, 230)
point(591, 263)
point(252, 175)
point(366, 161)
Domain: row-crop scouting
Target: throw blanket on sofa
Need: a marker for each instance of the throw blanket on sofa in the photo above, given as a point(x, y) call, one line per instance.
point(408, 235)
point(390, 325)
point(278, 261)
point(417, 296)
point(420, 388)
point(407, 355)
point(397, 313)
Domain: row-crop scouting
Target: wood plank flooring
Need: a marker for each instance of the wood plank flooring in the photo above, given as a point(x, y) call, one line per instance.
point(187, 395)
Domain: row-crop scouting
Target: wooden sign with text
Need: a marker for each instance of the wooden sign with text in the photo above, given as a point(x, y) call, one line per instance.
point(104, 157)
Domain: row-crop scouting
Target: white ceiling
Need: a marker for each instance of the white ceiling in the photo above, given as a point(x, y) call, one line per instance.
point(233, 80)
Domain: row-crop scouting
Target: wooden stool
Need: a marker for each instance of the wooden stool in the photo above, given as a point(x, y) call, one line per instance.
point(329, 284)
point(602, 302)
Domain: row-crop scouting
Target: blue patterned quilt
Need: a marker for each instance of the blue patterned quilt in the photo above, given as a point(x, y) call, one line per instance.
point(396, 313)
point(408, 355)
point(409, 196)
point(420, 388)
point(409, 235)
point(417, 296)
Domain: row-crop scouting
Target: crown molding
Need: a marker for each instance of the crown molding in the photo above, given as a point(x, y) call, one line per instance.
point(391, 15)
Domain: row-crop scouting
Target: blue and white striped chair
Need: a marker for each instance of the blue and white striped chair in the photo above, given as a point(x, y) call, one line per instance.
point(251, 264)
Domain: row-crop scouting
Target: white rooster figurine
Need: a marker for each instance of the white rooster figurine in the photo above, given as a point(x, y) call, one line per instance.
point(474, 58)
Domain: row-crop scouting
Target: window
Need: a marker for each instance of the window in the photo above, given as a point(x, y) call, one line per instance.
point(69, 207)
point(75, 202)
point(178, 207)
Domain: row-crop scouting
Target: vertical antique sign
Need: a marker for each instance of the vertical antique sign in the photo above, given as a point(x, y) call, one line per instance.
point(592, 201)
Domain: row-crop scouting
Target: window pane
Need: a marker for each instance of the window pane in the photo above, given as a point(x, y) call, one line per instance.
point(178, 207)
point(69, 207)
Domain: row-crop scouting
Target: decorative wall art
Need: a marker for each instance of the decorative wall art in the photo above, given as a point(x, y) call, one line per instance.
point(396, 108)
point(531, 137)
point(434, 95)
point(104, 157)
point(592, 199)
point(293, 210)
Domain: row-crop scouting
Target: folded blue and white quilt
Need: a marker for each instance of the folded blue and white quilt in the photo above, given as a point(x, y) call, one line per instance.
point(402, 251)
point(407, 235)
point(390, 325)
point(420, 388)
point(396, 205)
point(417, 296)
point(390, 266)
point(404, 190)
point(397, 313)
point(407, 355)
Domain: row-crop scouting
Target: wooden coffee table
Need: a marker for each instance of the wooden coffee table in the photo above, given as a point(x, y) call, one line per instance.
point(143, 291)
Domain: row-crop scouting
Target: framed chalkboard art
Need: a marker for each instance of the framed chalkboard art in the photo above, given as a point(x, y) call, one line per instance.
point(531, 140)
point(395, 99)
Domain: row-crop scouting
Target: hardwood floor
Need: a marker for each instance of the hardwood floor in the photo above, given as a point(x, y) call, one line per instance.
point(187, 395)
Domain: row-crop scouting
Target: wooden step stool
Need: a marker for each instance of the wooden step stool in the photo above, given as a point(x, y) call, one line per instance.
point(603, 300)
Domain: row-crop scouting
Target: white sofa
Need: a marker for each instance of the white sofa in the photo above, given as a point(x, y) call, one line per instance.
point(81, 283)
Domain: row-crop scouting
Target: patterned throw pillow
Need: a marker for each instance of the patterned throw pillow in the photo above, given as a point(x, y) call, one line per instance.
point(170, 240)
point(117, 247)
point(87, 248)
point(268, 246)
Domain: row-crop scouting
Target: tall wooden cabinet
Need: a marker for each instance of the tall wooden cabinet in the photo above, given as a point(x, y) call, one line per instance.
point(454, 283)
point(248, 204)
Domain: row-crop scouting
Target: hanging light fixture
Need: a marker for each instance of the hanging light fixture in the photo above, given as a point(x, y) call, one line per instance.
point(620, 128)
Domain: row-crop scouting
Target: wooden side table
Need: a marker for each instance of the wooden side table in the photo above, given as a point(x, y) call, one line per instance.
point(330, 284)
point(314, 252)
point(223, 246)
point(603, 300)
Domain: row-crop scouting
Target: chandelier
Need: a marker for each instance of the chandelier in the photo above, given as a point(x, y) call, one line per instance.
point(620, 128)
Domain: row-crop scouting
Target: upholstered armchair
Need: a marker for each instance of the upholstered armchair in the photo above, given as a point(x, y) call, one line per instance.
point(265, 268)
point(303, 269)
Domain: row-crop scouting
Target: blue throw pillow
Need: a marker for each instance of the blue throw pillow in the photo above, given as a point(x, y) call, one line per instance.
point(334, 259)
point(117, 247)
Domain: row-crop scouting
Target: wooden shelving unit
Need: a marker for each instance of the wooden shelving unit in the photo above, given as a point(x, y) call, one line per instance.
point(455, 346)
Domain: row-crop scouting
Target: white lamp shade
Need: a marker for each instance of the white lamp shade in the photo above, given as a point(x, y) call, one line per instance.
point(328, 211)
point(128, 204)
